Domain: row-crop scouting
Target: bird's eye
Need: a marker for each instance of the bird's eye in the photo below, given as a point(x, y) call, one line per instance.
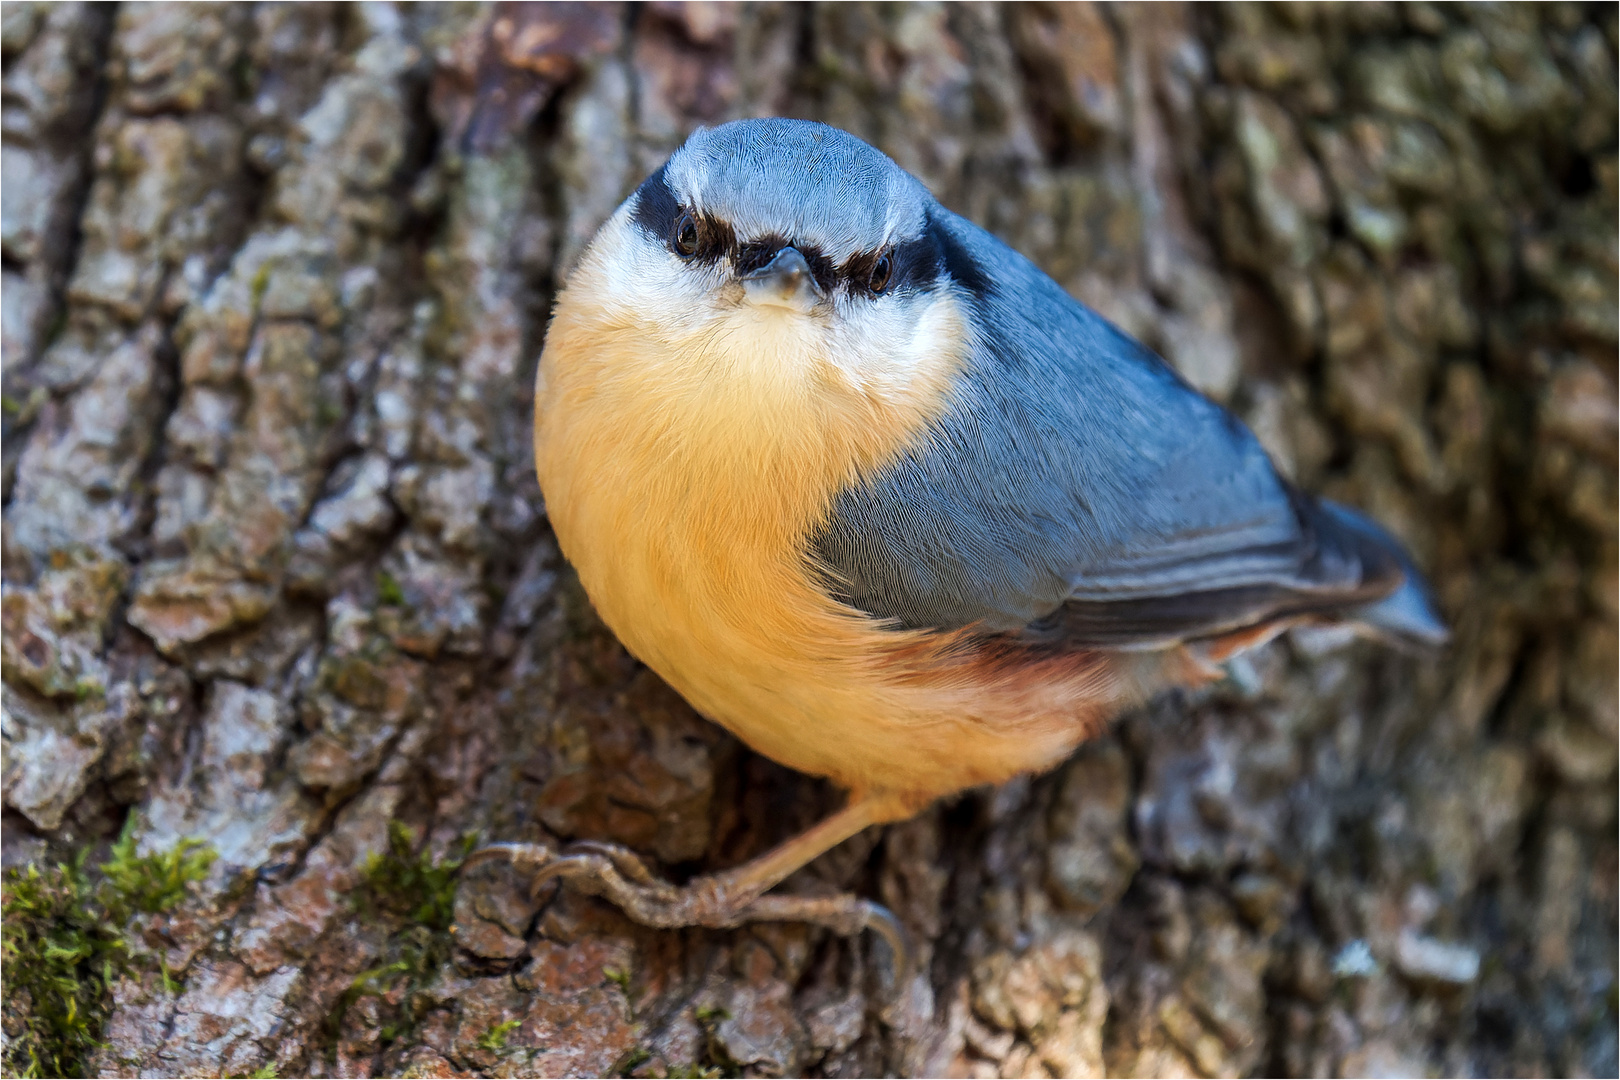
point(686, 237)
point(881, 272)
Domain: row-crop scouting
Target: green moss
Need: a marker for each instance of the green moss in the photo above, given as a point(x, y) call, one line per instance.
point(716, 1061)
point(388, 590)
point(418, 894)
point(58, 324)
point(329, 410)
point(629, 1060)
point(65, 942)
point(59, 952)
point(414, 885)
point(244, 77)
point(495, 1037)
point(152, 883)
point(260, 284)
point(23, 410)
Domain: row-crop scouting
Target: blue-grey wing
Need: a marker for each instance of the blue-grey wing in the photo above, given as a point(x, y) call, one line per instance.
point(1077, 487)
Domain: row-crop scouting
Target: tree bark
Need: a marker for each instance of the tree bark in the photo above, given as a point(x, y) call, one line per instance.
point(278, 573)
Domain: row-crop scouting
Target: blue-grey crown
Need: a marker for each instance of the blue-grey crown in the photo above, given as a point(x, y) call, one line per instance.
point(800, 180)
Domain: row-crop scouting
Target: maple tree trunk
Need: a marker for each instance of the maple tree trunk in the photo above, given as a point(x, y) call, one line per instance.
point(278, 573)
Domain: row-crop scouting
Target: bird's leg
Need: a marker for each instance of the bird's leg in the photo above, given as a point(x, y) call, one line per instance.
point(726, 899)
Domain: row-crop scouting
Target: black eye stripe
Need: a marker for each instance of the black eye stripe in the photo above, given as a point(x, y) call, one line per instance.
point(656, 208)
point(955, 260)
point(658, 213)
point(914, 264)
point(715, 239)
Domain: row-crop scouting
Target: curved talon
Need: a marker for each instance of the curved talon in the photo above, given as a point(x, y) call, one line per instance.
point(881, 921)
point(718, 901)
point(843, 914)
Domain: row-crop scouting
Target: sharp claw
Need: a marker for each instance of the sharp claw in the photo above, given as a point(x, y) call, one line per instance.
point(882, 921)
point(841, 914)
point(621, 876)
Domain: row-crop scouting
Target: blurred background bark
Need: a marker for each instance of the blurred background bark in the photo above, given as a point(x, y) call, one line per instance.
point(277, 571)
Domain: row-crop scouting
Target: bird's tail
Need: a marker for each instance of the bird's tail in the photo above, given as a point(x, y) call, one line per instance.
point(1407, 616)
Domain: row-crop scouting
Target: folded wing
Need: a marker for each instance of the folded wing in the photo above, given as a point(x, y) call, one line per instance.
point(1078, 488)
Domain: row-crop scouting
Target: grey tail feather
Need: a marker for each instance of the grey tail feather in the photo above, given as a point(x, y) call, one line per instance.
point(1407, 616)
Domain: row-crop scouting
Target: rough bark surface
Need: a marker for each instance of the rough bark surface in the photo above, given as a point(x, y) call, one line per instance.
point(277, 571)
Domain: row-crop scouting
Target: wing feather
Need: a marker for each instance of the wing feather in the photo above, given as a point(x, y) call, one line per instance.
point(1078, 487)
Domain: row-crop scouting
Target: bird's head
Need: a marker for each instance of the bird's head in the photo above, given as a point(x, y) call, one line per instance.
point(781, 255)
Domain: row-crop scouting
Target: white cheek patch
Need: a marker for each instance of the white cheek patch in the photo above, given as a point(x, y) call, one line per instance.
point(890, 345)
point(640, 281)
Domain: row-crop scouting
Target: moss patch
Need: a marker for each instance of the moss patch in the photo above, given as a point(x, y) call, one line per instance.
point(495, 1037)
point(65, 940)
point(388, 590)
point(413, 886)
point(419, 893)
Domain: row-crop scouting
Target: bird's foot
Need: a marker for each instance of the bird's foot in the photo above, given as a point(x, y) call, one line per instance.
point(721, 900)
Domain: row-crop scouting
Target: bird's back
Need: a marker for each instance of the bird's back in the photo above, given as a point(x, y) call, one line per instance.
point(1078, 488)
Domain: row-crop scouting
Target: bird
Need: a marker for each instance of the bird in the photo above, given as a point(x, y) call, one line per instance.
point(874, 493)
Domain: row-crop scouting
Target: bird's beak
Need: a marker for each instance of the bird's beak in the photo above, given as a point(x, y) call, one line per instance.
point(785, 281)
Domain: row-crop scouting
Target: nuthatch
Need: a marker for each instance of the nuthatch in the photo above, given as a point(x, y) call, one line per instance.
point(878, 496)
